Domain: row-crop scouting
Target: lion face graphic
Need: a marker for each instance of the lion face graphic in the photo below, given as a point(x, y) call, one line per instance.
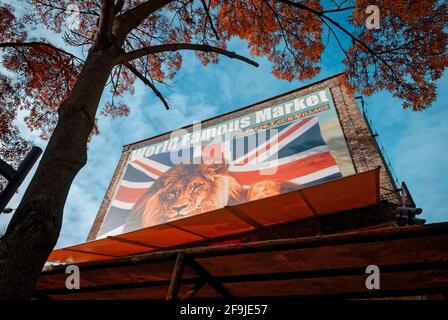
point(190, 189)
point(185, 190)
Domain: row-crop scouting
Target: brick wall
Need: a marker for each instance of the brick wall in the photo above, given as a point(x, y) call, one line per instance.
point(362, 147)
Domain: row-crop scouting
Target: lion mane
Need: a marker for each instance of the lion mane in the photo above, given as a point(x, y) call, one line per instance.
point(185, 190)
point(269, 188)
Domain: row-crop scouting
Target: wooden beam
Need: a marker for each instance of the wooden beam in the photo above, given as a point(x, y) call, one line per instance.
point(247, 278)
point(190, 293)
point(176, 277)
point(200, 271)
point(268, 245)
point(93, 253)
point(112, 287)
point(419, 254)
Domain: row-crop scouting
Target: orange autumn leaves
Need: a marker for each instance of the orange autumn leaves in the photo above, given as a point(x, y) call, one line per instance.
point(405, 56)
point(408, 51)
point(44, 77)
point(290, 38)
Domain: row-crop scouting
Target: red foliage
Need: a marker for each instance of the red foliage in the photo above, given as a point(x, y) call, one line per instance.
point(288, 36)
point(408, 51)
point(405, 56)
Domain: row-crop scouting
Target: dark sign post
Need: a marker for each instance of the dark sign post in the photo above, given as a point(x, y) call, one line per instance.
point(16, 177)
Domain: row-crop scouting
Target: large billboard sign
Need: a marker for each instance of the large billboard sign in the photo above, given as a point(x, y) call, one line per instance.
point(257, 153)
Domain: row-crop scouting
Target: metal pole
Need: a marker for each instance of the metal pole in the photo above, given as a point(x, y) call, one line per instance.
point(16, 177)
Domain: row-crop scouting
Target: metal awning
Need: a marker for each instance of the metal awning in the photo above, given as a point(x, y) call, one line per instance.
point(351, 192)
point(412, 260)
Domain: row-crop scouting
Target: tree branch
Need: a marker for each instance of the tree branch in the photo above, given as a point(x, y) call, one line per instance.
point(132, 18)
point(336, 24)
point(338, 41)
point(148, 83)
point(34, 44)
point(338, 9)
point(118, 6)
point(104, 31)
point(64, 9)
point(322, 14)
point(212, 26)
point(180, 46)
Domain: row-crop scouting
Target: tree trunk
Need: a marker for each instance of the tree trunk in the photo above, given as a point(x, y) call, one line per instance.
point(35, 226)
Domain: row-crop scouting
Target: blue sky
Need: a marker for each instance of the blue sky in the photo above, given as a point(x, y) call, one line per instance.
point(416, 142)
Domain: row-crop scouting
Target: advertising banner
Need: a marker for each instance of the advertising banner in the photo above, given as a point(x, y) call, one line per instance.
point(258, 153)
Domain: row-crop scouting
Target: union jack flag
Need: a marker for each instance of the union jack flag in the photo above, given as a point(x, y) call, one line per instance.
point(294, 152)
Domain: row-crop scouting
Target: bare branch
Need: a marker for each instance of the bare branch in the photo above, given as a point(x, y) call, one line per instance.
point(212, 26)
point(148, 83)
point(49, 4)
point(336, 24)
point(181, 46)
point(338, 10)
point(34, 44)
point(322, 14)
point(331, 31)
